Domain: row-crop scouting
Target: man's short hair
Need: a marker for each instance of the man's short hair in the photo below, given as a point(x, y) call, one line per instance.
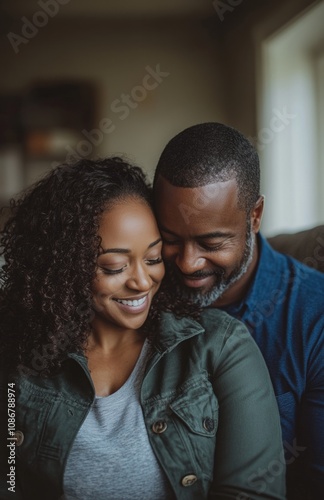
point(212, 152)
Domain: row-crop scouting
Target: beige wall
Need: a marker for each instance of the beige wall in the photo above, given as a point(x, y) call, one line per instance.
point(114, 56)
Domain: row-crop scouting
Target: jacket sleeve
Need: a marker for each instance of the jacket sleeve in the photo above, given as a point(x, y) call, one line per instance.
point(249, 461)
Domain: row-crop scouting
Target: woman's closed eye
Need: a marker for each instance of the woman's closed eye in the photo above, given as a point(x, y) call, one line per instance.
point(152, 262)
point(106, 270)
point(149, 262)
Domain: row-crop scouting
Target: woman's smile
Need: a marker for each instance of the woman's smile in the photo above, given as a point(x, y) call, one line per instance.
point(134, 306)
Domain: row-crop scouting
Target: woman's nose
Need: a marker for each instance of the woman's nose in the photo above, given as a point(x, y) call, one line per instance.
point(140, 279)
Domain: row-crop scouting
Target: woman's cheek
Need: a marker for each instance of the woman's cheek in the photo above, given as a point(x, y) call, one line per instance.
point(160, 273)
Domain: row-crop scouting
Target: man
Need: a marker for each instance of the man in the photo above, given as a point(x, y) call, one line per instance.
point(207, 191)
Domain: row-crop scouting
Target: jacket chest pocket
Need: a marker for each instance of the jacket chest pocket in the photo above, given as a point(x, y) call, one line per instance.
point(186, 422)
point(195, 414)
point(32, 413)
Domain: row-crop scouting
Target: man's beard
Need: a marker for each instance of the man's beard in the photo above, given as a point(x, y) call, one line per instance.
point(204, 299)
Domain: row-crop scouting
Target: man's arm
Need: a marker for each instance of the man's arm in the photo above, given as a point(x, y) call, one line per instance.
point(310, 464)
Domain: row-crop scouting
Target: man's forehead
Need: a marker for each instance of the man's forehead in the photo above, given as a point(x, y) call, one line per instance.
point(205, 207)
point(165, 192)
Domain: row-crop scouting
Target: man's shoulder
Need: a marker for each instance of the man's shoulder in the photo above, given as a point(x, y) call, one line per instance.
point(285, 295)
point(288, 273)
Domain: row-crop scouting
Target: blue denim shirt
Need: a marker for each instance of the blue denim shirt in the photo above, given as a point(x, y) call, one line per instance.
point(284, 311)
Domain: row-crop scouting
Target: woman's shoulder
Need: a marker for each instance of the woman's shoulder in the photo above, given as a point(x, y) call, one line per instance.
point(215, 331)
point(227, 336)
point(217, 321)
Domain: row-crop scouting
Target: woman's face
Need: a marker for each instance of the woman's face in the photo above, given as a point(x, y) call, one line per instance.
point(129, 266)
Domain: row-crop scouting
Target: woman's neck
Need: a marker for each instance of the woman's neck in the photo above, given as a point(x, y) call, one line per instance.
point(112, 354)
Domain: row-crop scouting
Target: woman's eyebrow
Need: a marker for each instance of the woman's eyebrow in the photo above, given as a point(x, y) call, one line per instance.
point(126, 250)
point(115, 250)
point(154, 243)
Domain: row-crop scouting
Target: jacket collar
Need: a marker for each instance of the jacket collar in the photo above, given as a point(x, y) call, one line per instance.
point(174, 330)
point(171, 332)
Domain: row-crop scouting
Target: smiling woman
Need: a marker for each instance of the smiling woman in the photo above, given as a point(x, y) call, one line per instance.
point(112, 389)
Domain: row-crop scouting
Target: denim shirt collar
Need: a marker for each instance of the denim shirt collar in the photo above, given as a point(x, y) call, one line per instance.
point(269, 271)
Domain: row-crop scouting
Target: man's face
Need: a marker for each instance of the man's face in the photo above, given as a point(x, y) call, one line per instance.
point(208, 242)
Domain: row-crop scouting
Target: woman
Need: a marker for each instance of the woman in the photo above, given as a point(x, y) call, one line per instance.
point(118, 395)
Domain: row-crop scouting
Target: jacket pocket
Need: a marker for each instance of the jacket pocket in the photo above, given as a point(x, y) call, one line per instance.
point(195, 415)
point(182, 424)
point(32, 412)
point(197, 408)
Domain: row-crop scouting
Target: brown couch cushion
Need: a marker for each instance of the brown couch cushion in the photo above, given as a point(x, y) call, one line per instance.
point(306, 246)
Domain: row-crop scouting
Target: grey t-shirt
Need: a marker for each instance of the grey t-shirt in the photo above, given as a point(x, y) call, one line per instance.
point(111, 457)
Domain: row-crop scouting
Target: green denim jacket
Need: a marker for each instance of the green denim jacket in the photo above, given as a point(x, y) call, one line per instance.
point(208, 405)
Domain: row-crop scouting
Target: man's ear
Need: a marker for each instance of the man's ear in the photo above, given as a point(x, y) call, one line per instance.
point(256, 214)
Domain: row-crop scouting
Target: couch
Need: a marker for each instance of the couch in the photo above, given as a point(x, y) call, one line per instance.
point(306, 246)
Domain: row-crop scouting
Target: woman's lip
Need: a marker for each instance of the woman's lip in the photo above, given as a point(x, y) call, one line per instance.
point(137, 297)
point(131, 308)
point(195, 282)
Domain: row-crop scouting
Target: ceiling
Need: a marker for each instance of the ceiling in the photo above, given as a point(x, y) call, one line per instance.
point(114, 8)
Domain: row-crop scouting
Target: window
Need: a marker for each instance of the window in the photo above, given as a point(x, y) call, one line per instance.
point(291, 124)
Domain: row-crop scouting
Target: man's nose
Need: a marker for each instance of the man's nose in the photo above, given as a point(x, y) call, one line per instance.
point(189, 260)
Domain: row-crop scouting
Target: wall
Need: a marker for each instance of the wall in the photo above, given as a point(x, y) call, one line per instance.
point(115, 56)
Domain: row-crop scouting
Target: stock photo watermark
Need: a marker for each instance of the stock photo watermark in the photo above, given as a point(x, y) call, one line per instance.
point(201, 200)
point(221, 8)
point(121, 107)
point(11, 481)
point(267, 307)
point(262, 477)
point(31, 27)
point(279, 121)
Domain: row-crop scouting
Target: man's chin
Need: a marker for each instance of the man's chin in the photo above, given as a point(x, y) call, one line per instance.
point(202, 296)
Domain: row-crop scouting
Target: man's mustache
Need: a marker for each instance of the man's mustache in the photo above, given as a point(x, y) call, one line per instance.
point(203, 274)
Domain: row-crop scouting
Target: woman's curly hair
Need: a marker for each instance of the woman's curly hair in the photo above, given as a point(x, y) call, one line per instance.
point(50, 245)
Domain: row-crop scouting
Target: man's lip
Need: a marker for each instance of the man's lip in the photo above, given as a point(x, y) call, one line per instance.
point(193, 282)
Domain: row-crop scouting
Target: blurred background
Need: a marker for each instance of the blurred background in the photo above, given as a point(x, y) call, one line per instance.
point(84, 79)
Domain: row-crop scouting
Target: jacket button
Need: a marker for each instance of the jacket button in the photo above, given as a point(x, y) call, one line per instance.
point(189, 480)
point(208, 424)
point(159, 427)
point(19, 437)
